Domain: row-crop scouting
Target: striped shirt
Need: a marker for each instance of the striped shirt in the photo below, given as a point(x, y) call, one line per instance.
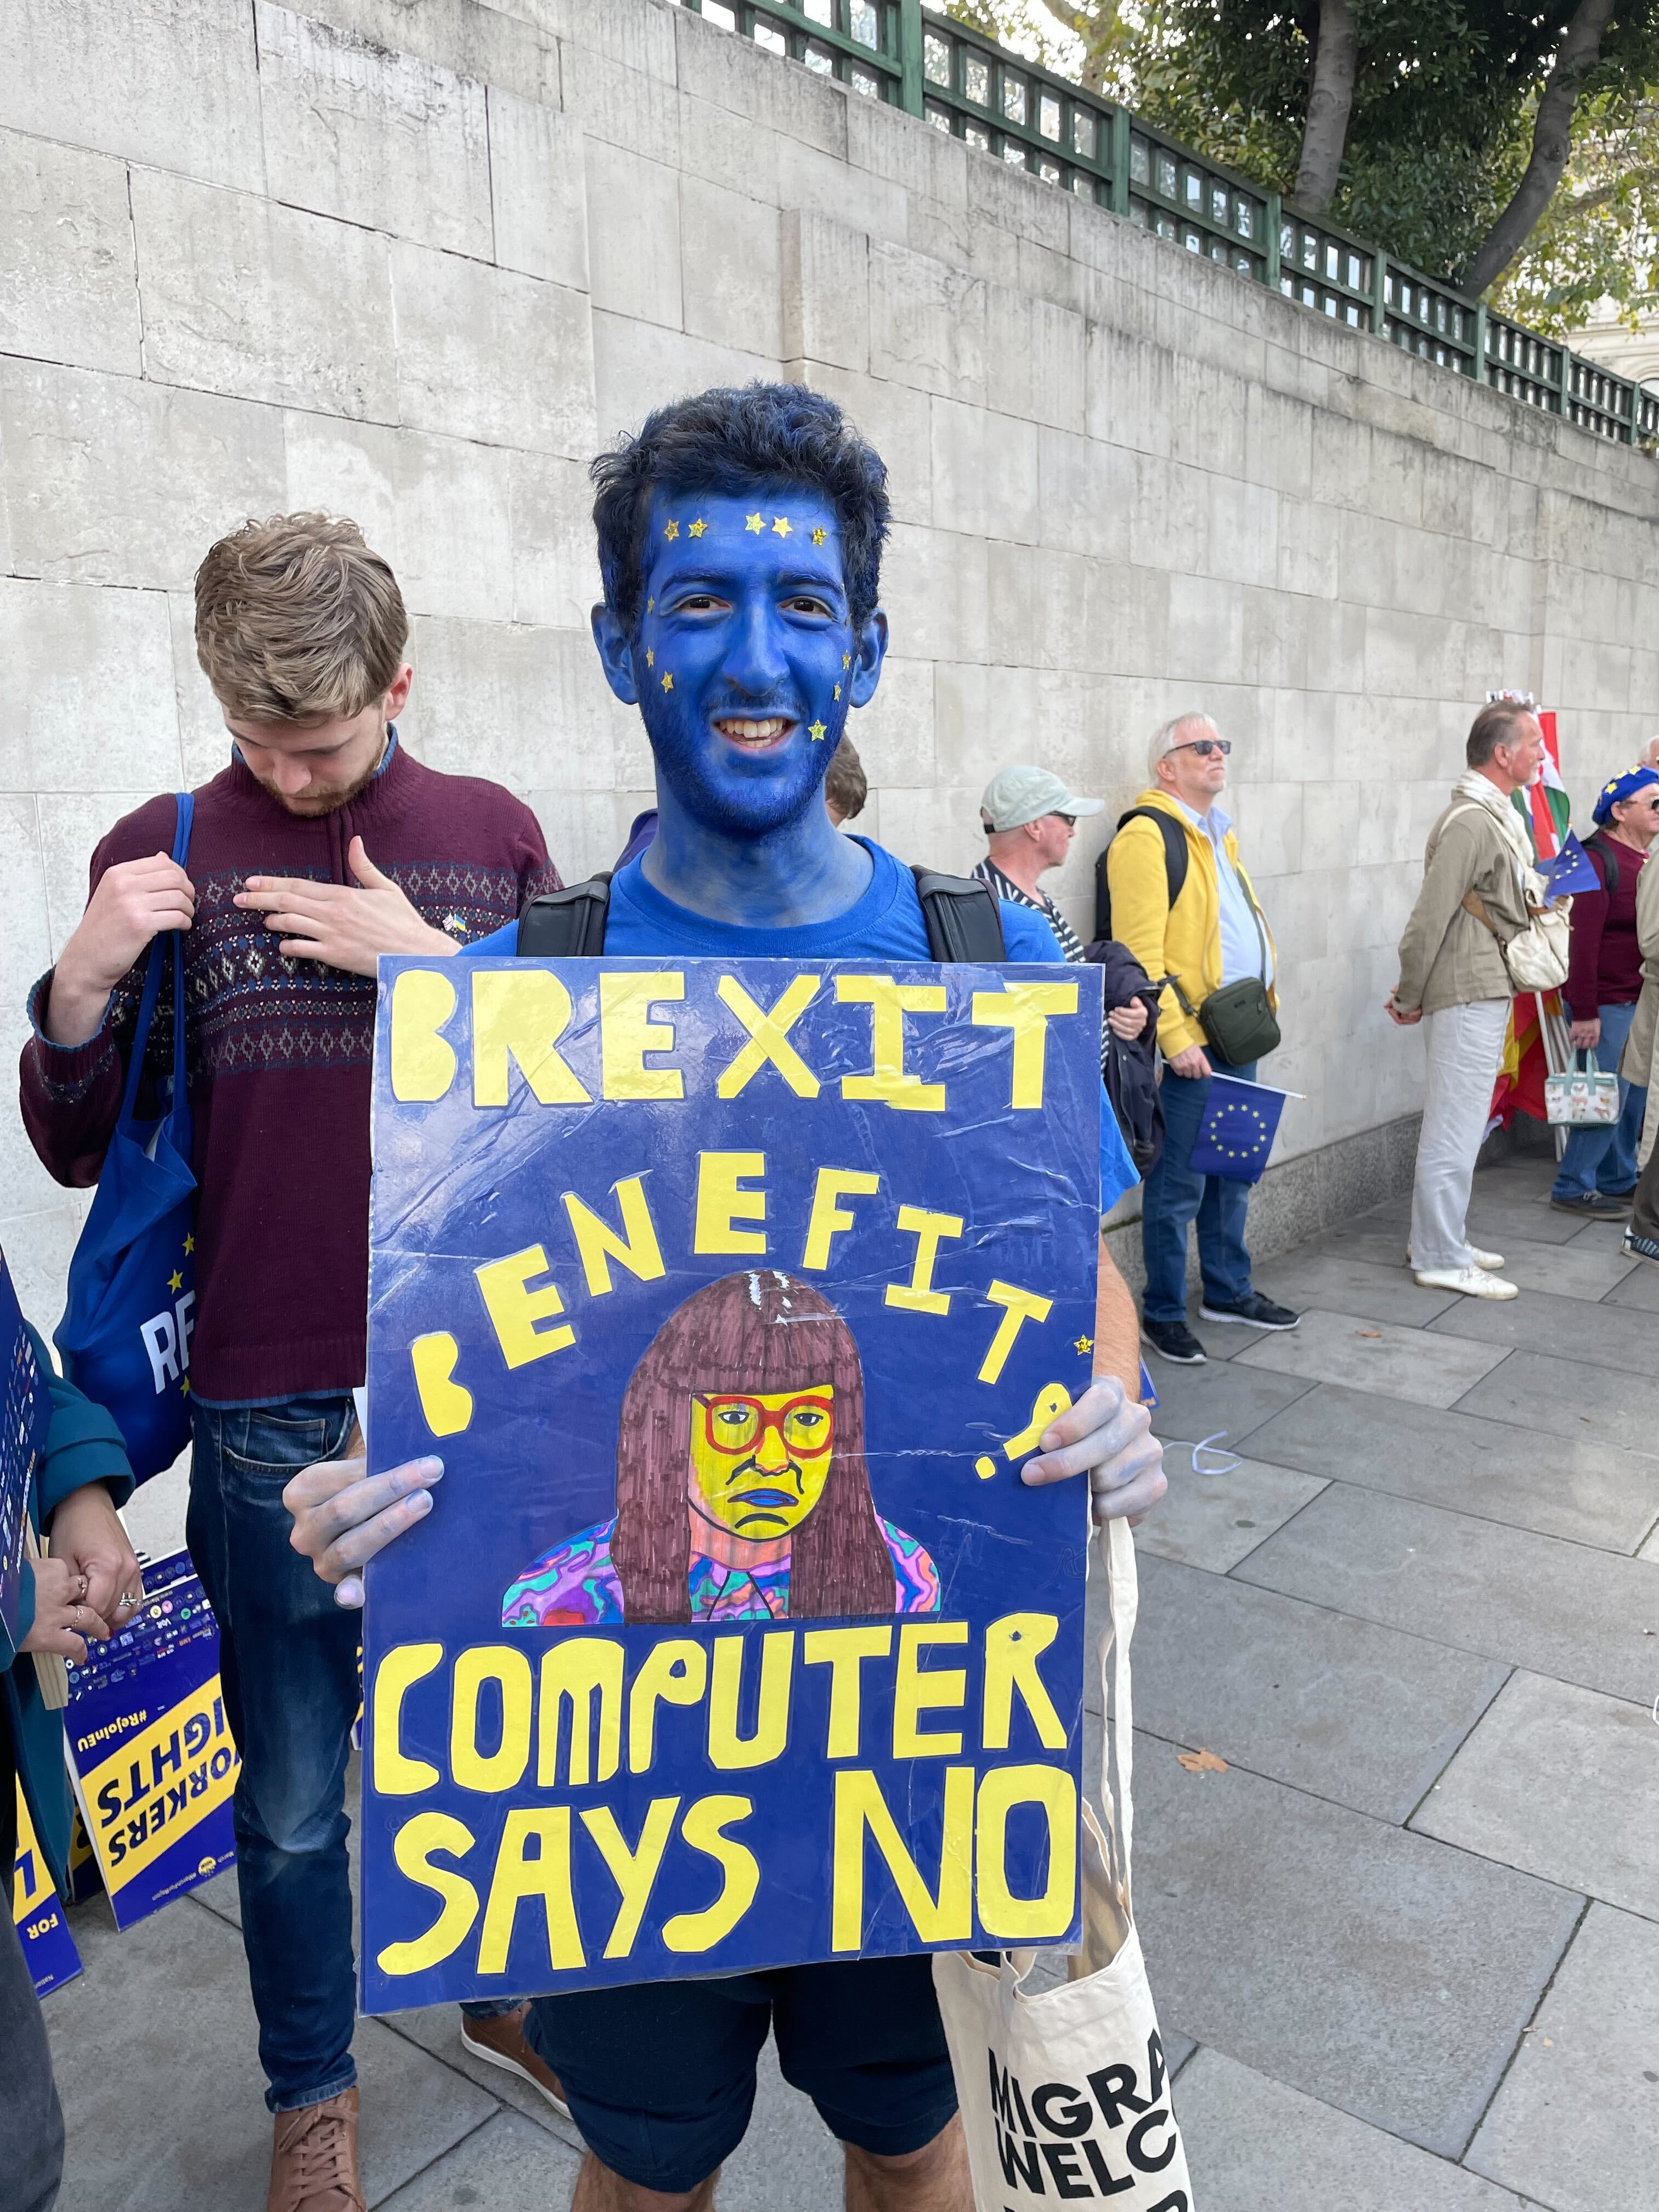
point(1005, 888)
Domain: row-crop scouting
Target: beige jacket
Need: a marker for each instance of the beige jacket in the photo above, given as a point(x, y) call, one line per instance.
point(1447, 959)
point(1635, 1061)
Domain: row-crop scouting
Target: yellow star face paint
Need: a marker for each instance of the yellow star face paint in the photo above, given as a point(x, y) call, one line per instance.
point(780, 525)
point(754, 523)
point(667, 683)
point(816, 731)
point(760, 1459)
point(697, 528)
point(670, 530)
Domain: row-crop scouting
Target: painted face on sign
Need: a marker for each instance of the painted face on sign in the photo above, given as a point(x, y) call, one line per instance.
point(746, 661)
point(760, 1459)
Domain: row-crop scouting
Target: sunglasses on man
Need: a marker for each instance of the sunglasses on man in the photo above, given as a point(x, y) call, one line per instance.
point(1205, 746)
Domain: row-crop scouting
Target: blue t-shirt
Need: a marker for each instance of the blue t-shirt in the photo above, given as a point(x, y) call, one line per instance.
point(885, 924)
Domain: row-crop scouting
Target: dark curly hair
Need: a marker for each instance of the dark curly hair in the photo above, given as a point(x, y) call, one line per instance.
point(765, 437)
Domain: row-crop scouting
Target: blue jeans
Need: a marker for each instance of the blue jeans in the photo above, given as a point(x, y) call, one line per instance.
point(1175, 1195)
point(288, 1663)
point(1603, 1157)
point(288, 1666)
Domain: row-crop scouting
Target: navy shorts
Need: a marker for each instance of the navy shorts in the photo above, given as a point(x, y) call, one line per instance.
point(660, 2076)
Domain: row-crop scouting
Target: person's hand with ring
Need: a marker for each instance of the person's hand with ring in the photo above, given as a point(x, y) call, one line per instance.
point(88, 1541)
point(63, 1618)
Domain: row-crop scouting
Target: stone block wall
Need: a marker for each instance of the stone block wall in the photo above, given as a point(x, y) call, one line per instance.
point(413, 260)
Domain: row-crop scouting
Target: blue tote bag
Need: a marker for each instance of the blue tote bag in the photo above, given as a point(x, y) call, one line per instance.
point(125, 1337)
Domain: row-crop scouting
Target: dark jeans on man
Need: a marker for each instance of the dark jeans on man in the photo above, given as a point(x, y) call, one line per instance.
point(288, 1662)
point(1175, 1196)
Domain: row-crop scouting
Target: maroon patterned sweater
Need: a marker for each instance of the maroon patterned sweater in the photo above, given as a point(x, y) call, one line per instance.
point(279, 1052)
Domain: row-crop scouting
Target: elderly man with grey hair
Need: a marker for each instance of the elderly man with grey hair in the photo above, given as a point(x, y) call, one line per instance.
point(1182, 904)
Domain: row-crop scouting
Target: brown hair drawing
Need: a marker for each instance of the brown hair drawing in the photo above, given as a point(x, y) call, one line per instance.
point(758, 1331)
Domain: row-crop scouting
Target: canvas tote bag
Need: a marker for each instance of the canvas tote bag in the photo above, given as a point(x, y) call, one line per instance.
point(1582, 1098)
point(1065, 2093)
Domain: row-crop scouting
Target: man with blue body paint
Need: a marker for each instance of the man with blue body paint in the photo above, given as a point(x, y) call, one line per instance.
point(739, 545)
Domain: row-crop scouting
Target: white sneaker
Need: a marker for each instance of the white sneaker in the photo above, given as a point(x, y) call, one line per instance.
point(1491, 1261)
point(1473, 1282)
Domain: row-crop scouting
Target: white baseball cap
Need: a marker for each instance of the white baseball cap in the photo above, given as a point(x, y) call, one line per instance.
point(1015, 796)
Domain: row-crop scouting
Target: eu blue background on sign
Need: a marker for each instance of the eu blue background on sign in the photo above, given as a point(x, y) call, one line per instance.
point(753, 1791)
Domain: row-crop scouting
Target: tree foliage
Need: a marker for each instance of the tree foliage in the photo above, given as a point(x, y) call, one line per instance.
point(1445, 99)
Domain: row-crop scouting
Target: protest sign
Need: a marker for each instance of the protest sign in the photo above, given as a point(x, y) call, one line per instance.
point(734, 1295)
point(25, 1417)
point(49, 1949)
point(150, 1750)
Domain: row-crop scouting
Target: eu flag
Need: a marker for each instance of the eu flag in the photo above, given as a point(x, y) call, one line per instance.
point(1236, 1133)
point(1570, 871)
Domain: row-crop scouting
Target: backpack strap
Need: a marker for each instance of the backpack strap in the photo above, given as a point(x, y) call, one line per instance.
point(1175, 862)
point(963, 917)
point(567, 924)
point(1601, 845)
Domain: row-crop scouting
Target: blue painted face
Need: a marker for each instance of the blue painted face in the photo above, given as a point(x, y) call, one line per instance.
point(746, 661)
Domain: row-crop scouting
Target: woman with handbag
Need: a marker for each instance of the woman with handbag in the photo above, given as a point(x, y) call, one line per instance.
point(1477, 935)
point(1597, 1172)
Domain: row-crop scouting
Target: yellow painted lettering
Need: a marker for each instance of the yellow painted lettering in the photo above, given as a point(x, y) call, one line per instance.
point(515, 1310)
point(1012, 1647)
point(722, 1202)
point(446, 1404)
point(490, 1772)
point(1026, 1919)
point(1052, 1401)
point(1018, 1306)
point(918, 1295)
point(627, 1033)
point(1025, 1008)
point(726, 1749)
point(704, 1828)
point(634, 1872)
point(396, 1774)
point(889, 1082)
point(768, 1037)
point(598, 1243)
point(519, 1874)
point(673, 1673)
point(827, 1216)
point(916, 1693)
point(842, 1650)
point(519, 1015)
point(411, 1849)
point(946, 1917)
point(422, 1062)
point(582, 1671)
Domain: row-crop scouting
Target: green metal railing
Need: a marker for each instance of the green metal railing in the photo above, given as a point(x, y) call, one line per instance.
point(964, 83)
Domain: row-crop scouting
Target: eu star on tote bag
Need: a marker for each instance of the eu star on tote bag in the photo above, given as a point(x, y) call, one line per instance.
point(1582, 1098)
point(1064, 2092)
point(125, 1337)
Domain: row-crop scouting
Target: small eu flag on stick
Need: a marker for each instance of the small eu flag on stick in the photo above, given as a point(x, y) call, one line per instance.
point(1236, 1133)
point(1571, 870)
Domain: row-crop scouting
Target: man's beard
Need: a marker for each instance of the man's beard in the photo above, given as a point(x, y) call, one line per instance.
point(312, 806)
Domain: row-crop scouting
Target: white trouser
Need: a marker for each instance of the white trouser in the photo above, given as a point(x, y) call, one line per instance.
point(1464, 1046)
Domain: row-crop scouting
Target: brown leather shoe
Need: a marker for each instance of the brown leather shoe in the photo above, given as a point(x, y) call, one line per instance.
point(500, 2042)
point(313, 2159)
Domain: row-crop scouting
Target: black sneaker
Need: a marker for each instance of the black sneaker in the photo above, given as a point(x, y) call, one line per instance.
point(1174, 1340)
point(1259, 1312)
point(1594, 1205)
point(1640, 1248)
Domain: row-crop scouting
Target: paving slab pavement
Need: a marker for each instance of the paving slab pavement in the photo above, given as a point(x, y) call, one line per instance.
point(1589, 1492)
point(1254, 2145)
point(1549, 1396)
point(1222, 1398)
point(1563, 1781)
point(1376, 1970)
point(1213, 1515)
point(1377, 1357)
point(1582, 1615)
point(1339, 1282)
point(155, 2050)
point(1576, 2124)
point(1640, 1288)
point(1599, 1336)
point(1273, 1683)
